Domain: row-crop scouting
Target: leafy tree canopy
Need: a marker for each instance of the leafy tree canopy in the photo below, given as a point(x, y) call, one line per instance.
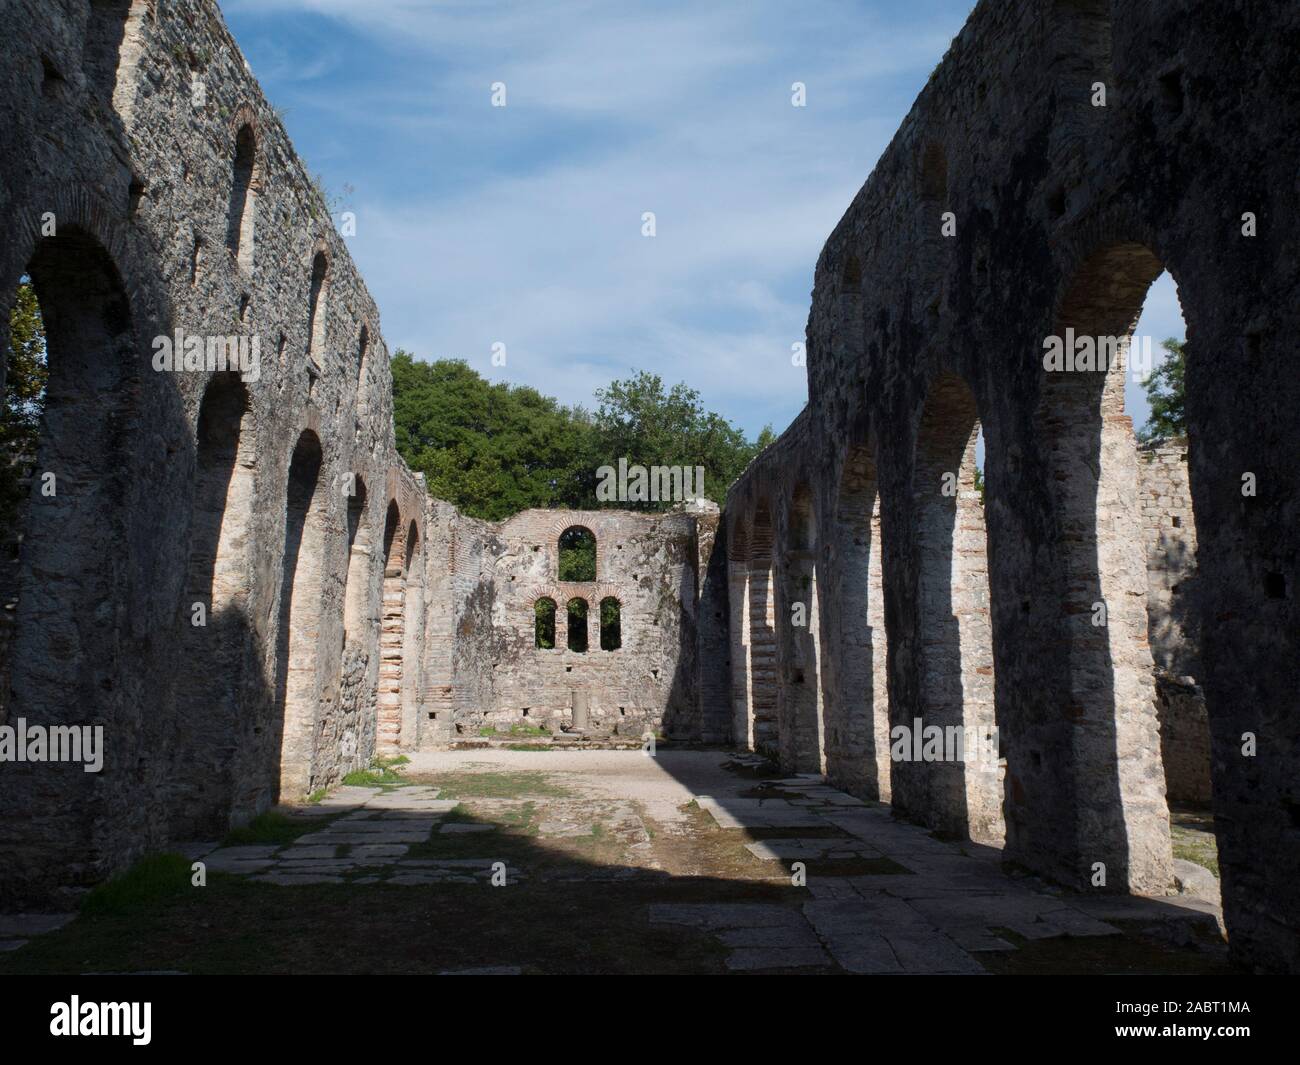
point(1166, 394)
point(497, 449)
point(25, 379)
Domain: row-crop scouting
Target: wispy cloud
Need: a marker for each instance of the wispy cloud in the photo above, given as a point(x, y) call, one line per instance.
point(523, 225)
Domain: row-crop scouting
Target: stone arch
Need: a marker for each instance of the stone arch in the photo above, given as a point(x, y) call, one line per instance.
point(934, 174)
point(363, 376)
point(1105, 759)
point(298, 638)
point(62, 653)
point(762, 632)
point(241, 220)
point(955, 638)
point(577, 629)
point(412, 633)
point(611, 623)
point(211, 724)
point(544, 623)
point(738, 634)
point(855, 673)
point(357, 619)
point(113, 47)
point(392, 640)
point(577, 548)
point(798, 620)
point(318, 305)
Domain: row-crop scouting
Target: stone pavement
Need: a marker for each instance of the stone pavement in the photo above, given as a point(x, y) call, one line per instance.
point(806, 878)
point(365, 836)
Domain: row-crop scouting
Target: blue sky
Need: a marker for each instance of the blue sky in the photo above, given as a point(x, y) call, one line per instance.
point(522, 225)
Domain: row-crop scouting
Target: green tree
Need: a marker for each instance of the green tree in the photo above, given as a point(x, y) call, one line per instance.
point(639, 420)
point(491, 449)
point(26, 375)
point(496, 449)
point(1166, 394)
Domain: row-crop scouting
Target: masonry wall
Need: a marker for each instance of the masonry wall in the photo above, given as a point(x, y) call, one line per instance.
point(1060, 214)
point(656, 566)
point(148, 187)
point(1174, 622)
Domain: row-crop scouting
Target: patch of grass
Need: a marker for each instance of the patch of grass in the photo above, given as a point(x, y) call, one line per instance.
point(271, 827)
point(488, 730)
point(154, 879)
point(496, 785)
point(382, 773)
point(529, 730)
point(317, 796)
point(529, 747)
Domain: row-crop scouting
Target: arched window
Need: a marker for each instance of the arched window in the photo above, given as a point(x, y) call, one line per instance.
point(611, 629)
point(544, 624)
point(316, 305)
point(356, 593)
point(243, 199)
point(577, 555)
point(578, 625)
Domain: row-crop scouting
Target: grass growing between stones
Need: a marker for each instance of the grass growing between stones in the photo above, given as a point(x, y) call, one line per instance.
point(274, 827)
point(382, 773)
point(494, 785)
point(1191, 831)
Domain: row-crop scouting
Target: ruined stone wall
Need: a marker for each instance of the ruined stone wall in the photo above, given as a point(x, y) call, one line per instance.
point(148, 187)
point(1010, 208)
point(1170, 525)
point(487, 659)
point(1173, 622)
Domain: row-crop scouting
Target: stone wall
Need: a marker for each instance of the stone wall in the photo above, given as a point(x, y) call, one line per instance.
point(147, 187)
point(1173, 621)
point(1009, 209)
point(483, 657)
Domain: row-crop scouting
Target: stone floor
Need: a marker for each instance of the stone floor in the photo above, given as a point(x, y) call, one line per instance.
point(877, 895)
point(560, 860)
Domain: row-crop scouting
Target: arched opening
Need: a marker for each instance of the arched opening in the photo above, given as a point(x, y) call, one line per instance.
point(762, 634)
point(577, 625)
point(799, 694)
point(298, 639)
point(363, 377)
point(856, 679)
point(1155, 398)
point(210, 726)
point(544, 624)
point(356, 596)
point(964, 787)
point(611, 625)
point(113, 48)
point(242, 219)
point(66, 519)
point(577, 554)
point(738, 620)
point(1103, 757)
point(934, 175)
point(412, 634)
point(318, 306)
point(392, 637)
